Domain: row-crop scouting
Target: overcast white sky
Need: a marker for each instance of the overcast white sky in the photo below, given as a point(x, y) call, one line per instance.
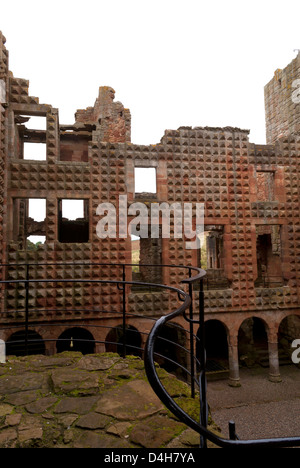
point(172, 63)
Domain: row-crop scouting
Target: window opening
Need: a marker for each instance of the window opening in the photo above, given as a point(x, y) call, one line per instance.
point(72, 209)
point(35, 241)
point(34, 122)
point(146, 251)
point(30, 222)
point(145, 180)
point(37, 209)
point(268, 252)
point(30, 137)
point(211, 257)
point(35, 151)
point(73, 222)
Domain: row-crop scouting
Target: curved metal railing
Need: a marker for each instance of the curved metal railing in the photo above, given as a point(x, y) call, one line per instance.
point(24, 320)
point(201, 425)
point(193, 367)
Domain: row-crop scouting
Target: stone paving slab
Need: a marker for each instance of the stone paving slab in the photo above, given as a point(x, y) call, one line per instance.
point(95, 401)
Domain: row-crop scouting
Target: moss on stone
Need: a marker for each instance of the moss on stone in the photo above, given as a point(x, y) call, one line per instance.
point(76, 388)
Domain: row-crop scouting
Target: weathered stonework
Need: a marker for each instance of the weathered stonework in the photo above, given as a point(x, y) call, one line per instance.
point(282, 102)
point(250, 192)
point(123, 412)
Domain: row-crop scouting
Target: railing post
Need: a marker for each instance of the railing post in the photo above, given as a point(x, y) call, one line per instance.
point(26, 308)
point(202, 358)
point(192, 360)
point(124, 311)
point(232, 432)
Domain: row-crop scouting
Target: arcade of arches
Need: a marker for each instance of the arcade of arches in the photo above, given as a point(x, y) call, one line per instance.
point(246, 343)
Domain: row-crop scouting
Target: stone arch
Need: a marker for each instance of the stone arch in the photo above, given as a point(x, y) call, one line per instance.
point(216, 345)
point(253, 342)
point(16, 343)
point(170, 349)
point(76, 339)
point(114, 342)
point(288, 331)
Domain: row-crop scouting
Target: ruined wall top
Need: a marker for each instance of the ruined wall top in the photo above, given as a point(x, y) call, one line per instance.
point(114, 120)
point(3, 69)
point(282, 96)
point(3, 57)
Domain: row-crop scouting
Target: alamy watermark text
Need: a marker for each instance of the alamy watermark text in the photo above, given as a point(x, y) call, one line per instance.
point(296, 353)
point(180, 220)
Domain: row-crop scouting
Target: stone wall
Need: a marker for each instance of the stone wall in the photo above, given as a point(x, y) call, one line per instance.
point(214, 166)
point(3, 100)
point(248, 191)
point(282, 102)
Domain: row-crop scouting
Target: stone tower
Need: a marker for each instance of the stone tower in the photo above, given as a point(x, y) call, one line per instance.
point(282, 99)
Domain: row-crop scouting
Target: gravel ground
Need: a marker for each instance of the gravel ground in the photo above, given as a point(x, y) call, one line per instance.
point(260, 408)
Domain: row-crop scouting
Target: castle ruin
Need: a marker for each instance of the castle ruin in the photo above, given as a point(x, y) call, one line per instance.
point(252, 219)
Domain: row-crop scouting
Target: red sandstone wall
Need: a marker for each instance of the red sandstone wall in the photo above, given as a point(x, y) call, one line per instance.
point(281, 109)
point(215, 166)
point(3, 85)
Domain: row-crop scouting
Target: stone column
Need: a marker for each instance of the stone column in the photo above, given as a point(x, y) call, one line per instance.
point(100, 348)
point(274, 373)
point(233, 355)
point(2, 352)
point(50, 347)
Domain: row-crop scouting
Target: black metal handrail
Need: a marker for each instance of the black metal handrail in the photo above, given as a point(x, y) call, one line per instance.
point(123, 266)
point(201, 426)
point(196, 372)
